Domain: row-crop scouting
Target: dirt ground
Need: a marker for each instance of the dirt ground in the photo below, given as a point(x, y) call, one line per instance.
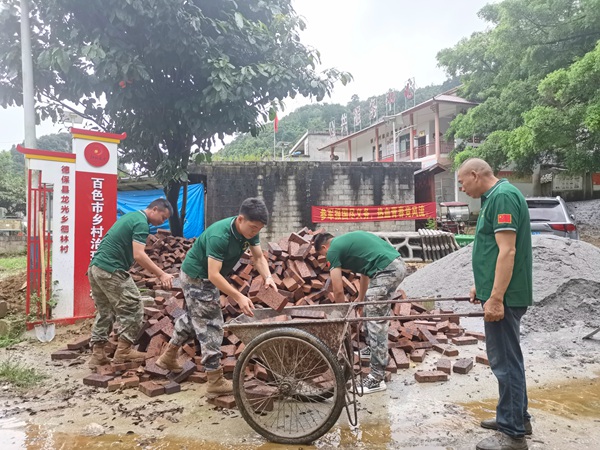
point(563, 373)
point(564, 389)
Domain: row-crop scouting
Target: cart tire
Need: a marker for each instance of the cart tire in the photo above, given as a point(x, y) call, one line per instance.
point(274, 374)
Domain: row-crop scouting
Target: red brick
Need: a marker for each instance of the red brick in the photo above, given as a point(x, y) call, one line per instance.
point(97, 380)
point(198, 377)
point(400, 357)
point(463, 365)
point(446, 350)
point(308, 314)
point(64, 354)
point(189, 367)
point(122, 383)
point(479, 336)
point(418, 355)
point(444, 365)
point(225, 401)
point(430, 376)
point(151, 389)
point(464, 340)
point(79, 344)
point(482, 359)
point(172, 387)
point(271, 298)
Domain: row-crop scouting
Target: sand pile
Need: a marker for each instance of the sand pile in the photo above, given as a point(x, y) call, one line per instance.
point(566, 282)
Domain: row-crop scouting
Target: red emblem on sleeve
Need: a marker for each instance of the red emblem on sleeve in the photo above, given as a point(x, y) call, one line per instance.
point(504, 218)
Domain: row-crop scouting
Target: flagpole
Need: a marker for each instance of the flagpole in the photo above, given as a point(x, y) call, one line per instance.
point(274, 144)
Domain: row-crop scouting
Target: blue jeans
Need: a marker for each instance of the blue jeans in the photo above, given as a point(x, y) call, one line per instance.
point(506, 361)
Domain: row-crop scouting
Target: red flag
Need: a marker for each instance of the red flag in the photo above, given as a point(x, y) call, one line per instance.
point(276, 123)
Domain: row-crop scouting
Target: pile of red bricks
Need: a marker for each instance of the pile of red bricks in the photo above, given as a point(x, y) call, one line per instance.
point(302, 278)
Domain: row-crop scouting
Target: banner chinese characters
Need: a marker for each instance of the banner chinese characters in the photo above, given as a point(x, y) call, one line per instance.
point(416, 211)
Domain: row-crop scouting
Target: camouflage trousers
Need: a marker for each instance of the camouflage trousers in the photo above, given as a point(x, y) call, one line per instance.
point(116, 298)
point(203, 318)
point(381, 287)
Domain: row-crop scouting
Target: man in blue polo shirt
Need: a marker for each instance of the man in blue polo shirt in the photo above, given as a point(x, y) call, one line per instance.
point(502, 268)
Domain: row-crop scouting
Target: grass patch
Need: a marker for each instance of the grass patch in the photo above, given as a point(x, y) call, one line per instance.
point(13, 263)
point(18, 375)
point(16, 329)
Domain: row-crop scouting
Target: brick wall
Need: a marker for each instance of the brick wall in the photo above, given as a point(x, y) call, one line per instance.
point(291, 188)
point(10, 245)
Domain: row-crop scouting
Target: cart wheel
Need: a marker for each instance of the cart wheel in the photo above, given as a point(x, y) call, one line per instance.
point(274, 374)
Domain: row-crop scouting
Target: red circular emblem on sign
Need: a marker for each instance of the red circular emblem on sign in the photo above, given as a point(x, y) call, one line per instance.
point(96, 154)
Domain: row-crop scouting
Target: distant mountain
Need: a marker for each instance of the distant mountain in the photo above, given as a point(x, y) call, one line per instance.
point(317, 118)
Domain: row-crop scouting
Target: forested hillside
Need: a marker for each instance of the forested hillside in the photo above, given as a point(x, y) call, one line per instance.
point(316, 118)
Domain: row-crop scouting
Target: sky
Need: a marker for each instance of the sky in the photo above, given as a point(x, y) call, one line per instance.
point(382, 43)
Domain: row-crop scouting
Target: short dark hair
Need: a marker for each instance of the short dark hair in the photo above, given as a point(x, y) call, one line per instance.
point(255, 210)
point(321, 239)
point(162, 204)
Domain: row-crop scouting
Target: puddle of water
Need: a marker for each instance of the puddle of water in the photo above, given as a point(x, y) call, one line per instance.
point(18, 435)
point(572, 399)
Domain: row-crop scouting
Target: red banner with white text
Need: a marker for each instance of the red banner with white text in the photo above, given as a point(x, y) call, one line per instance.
point(415, 211)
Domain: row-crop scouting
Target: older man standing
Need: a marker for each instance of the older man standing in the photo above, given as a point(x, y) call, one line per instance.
point(502, 268)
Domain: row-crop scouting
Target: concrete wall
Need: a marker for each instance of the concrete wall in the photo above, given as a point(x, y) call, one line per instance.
point(10, 245)
point(290, 189)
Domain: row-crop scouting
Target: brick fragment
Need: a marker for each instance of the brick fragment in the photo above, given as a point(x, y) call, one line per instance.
point(198, 377)
point(475, 334)
point(446, 350)
point(418, 355)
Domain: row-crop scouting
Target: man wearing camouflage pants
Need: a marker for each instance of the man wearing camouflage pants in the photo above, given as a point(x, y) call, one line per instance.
point(114, 292)
point(381, 270)
point(203, 273)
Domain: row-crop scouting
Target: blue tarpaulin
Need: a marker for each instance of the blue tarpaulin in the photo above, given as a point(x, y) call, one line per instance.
point(128, 201)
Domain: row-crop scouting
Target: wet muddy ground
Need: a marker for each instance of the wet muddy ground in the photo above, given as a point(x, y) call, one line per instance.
point(564, 388)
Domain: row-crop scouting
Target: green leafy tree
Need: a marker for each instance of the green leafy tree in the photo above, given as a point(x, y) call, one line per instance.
point(12, 184)
point(503, 67)
point(174, 74)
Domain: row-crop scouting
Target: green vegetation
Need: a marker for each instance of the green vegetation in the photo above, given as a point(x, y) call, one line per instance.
point(12, 264)
point(536, 73)
point(18, 375)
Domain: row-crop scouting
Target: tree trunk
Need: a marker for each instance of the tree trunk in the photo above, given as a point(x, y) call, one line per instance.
point(175, 222)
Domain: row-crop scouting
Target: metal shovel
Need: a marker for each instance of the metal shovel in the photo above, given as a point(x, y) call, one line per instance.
point(45, 331)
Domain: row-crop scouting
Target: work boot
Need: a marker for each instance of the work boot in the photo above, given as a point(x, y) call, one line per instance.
point(217, 385)
point(491, 424)
point(168, 360)
point(98, 356)
point(125, 353)
point(501, 441)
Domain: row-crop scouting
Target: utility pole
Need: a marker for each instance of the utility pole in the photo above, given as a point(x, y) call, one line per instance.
point(27, 68)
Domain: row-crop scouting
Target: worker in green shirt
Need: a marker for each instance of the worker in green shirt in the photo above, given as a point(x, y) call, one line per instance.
point(115, 294)
point(381, 271)
point(203, 275)
point(502, 268)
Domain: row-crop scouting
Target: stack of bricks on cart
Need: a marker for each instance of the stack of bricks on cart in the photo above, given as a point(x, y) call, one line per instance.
point(302, 278)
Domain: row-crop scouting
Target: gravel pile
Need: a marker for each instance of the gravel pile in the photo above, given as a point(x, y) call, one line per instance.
point(587, 214)
point(566, 282)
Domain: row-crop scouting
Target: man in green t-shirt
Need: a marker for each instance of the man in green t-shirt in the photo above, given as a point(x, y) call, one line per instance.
point(381, 271)
point(502, 268)
point(203, 273)
point(115, 294)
